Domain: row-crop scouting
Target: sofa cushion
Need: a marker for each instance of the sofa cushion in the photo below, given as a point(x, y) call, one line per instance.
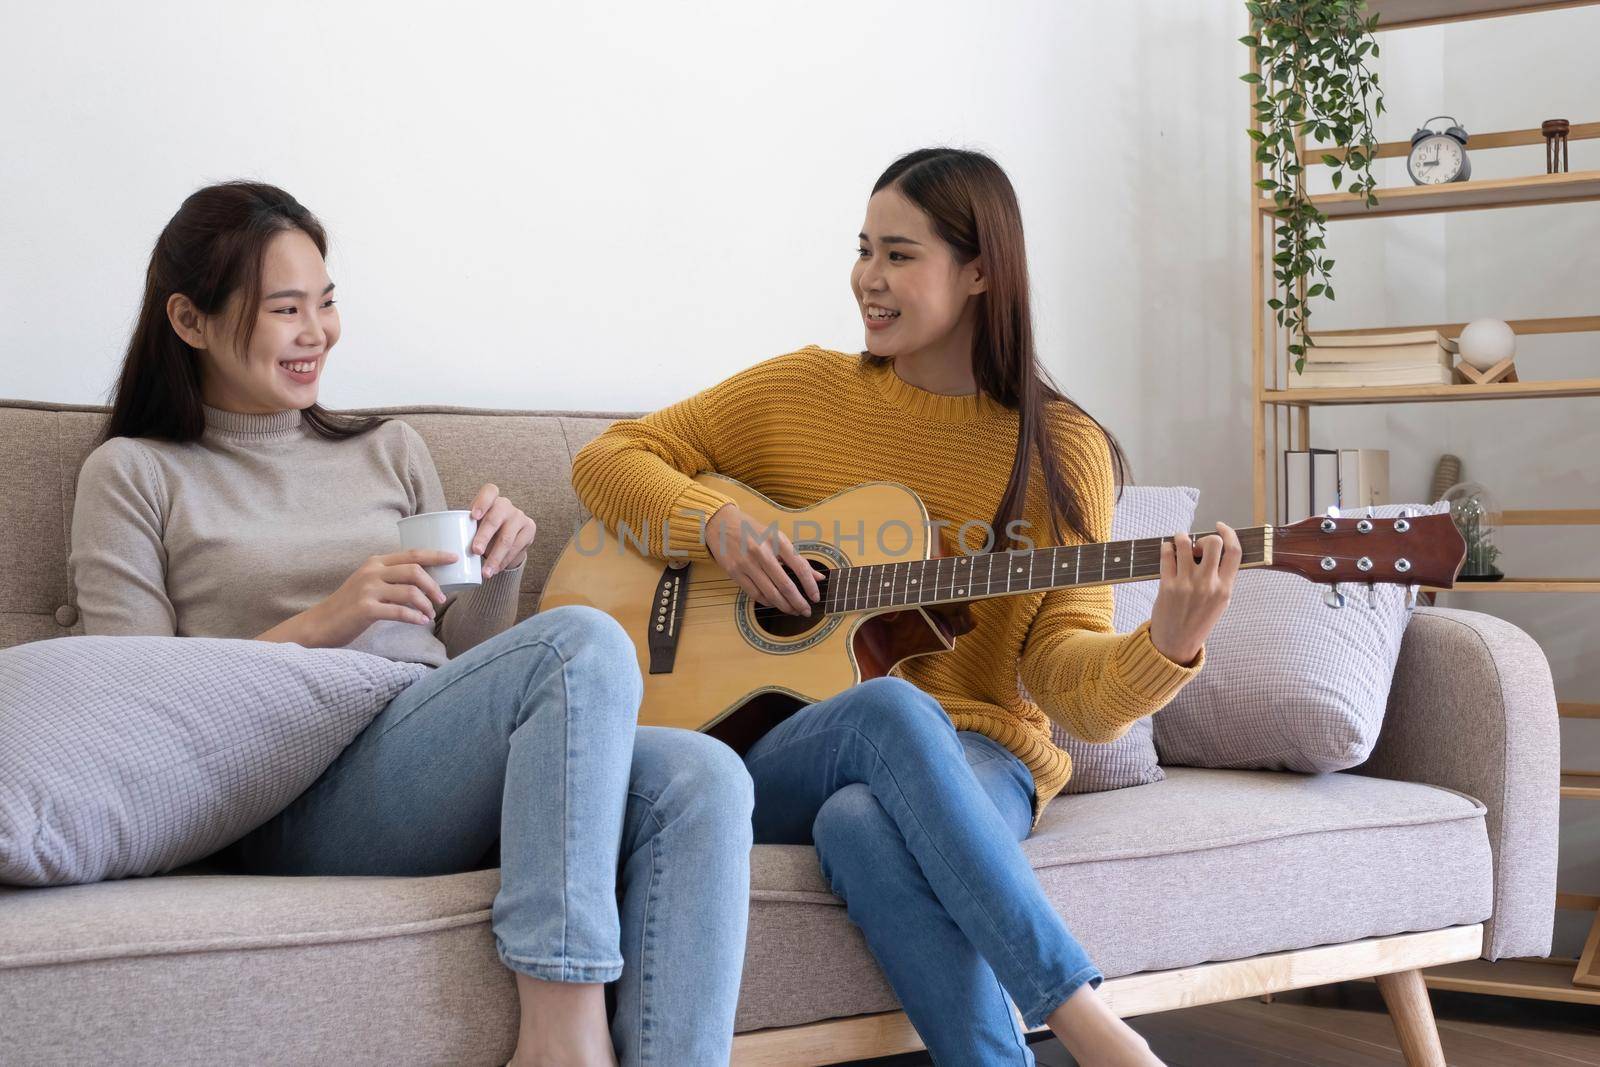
point(133, 755)
point(1290, 860)
point(190, 970)
point(1142, 511)
point(1290, 683)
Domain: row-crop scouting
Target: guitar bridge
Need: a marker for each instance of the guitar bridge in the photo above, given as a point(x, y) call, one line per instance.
point(666, 618)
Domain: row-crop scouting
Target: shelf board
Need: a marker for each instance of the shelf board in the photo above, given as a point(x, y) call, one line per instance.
point(1403, 394)
point(1572, 710)
point(1523, 585)
point(1578, 131)
point(1584, 784)
point(1408, 14)
point(1521, 327)
point(1534, 979)
point(1550, 517)
point(1574, 187)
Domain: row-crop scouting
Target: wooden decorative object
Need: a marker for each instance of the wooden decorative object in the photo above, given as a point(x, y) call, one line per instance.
point(1504, 371)
point(1555, 145)
point(1587, 972)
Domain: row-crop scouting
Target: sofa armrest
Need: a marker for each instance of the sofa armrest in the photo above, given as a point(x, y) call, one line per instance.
point(1473, 709)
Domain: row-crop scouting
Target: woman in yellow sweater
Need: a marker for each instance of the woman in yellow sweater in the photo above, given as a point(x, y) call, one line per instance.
point(917, 788)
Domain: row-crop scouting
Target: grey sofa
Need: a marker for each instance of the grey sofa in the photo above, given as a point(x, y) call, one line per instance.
point(1212, 885)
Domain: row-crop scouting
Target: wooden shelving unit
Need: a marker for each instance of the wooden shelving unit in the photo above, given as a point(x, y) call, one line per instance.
point(1576, 981)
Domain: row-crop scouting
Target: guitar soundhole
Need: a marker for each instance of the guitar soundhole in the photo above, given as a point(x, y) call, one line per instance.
point(781, 624)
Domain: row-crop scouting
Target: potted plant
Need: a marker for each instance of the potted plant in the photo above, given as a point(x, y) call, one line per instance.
point(1311, 84)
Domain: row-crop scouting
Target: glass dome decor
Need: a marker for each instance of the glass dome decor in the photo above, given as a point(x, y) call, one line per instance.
point(1476, 514)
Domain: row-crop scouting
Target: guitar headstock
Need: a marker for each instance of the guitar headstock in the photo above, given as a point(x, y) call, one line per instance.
point(1402, 549)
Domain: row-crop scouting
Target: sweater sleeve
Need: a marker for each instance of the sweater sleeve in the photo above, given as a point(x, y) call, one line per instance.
point(117, 561)
point(639, 473)
point(465, 619)
point(1094, 682)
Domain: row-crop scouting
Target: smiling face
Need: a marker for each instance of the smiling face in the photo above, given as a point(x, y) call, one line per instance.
point(915, 298)
point(296, 326)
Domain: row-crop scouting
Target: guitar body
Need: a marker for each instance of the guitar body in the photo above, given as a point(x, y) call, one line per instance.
point(738, 669)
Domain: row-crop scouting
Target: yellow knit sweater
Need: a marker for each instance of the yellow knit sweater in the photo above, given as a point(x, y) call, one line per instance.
point(809, 424)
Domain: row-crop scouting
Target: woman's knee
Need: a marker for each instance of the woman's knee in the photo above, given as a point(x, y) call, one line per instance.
point(577, 628)
point(901, 715)
point(587, 639)
point(694, 773)
point(595, 657)
point(720, 772)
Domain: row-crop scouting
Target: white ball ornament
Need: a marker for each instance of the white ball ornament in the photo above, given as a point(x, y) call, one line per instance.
point(1485, 342)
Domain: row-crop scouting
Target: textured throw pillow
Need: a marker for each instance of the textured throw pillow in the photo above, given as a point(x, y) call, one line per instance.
point(1143, 511)
point(134, 755)
point(1290, 683)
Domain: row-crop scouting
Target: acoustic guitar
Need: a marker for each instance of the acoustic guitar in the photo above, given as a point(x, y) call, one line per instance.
point(715, 659)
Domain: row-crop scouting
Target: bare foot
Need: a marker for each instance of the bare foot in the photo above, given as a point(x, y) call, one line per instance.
point(563, 1025)
point(1096, 1037)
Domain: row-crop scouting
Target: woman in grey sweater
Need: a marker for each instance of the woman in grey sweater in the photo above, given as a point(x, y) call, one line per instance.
point(224, 502)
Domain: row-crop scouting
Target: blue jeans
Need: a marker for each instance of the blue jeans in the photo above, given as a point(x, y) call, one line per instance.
point(531, 738)
point(918, 830)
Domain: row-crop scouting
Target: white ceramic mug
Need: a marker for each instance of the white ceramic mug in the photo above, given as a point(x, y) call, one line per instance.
point(446, 531)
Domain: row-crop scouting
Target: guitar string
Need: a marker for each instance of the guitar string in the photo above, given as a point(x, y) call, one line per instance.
point(722, 601)
point(704, 595)
point(711, 588)
point(1140, 551)
point(1248, 540)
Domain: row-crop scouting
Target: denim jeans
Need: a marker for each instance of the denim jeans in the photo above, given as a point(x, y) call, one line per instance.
point(918, 830)
point(531, 738)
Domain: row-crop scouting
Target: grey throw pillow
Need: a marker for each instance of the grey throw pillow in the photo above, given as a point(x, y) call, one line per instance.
point(1143, 511)
point(1290, 683)
point(134, 755)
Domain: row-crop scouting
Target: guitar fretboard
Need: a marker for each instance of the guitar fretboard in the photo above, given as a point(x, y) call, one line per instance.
point(948, 579)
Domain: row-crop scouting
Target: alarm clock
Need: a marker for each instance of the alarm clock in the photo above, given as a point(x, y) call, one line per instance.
point(1437, 158)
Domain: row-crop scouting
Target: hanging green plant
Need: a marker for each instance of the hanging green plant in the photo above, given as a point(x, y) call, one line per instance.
point(1311, 82)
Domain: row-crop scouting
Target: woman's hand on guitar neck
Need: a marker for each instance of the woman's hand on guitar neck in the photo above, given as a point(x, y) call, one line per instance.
point(754, 557)
point(1193, 593)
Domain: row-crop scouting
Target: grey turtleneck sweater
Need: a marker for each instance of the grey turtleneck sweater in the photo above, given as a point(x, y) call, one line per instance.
point(256, 521)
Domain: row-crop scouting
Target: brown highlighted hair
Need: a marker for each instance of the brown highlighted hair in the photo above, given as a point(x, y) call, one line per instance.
point(973, 208)
point(210, 250)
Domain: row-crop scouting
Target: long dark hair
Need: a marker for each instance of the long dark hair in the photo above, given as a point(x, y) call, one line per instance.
point(973, 208)
point(211, 249)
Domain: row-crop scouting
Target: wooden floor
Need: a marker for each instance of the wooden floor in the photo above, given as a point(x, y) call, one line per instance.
point(1346, 1025)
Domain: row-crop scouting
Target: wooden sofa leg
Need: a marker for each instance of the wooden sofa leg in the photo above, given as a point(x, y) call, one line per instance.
point(1406, 995)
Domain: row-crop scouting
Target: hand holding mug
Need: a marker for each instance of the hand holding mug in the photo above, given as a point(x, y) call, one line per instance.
point(393, 586)
point(504, 532)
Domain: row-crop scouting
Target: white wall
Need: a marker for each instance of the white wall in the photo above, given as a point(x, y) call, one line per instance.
point(610, 206)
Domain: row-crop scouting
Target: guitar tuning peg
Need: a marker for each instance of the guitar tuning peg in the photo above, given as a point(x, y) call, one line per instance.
point(1333, 511)
point(1332, 597)
point(1372, 596)
point(1411, 595)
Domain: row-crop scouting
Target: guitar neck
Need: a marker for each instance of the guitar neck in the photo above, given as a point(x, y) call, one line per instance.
point(951, 579)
